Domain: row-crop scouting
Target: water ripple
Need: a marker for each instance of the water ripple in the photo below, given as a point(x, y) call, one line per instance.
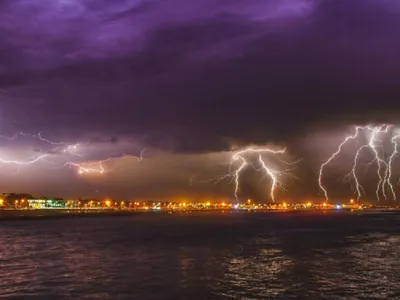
point(202, 257)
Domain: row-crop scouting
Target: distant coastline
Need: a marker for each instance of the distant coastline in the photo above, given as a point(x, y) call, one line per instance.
point(39, 214)
point(42, 214)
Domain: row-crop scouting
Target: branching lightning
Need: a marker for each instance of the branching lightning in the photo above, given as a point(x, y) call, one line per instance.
point(272, 174)
point(62, 147)
point(98, 166)
point(388, 175)
point(21, 163)
point(384, 166)
point(90, 167)
point(240, 158)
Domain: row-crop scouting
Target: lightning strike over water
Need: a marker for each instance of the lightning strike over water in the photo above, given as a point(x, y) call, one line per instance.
point(388, 175)
point(383, 166)
point(273, 174)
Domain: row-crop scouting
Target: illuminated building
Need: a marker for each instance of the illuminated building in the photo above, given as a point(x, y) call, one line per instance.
point(46, 203)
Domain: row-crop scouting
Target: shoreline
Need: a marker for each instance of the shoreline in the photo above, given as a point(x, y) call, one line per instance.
point(41, 214)
point(45, 214)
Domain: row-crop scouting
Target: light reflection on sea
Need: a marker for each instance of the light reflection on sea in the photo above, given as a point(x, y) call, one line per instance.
point(205, 256)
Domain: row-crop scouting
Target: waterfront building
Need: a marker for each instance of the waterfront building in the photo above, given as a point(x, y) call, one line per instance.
point(46, 203)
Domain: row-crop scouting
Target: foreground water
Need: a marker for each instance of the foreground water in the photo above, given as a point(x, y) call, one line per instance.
point(203, 256)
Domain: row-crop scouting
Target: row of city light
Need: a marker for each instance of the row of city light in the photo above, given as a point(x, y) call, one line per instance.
point(176, 205)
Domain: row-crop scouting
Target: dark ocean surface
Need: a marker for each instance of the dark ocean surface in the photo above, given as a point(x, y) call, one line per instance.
point(203, 256)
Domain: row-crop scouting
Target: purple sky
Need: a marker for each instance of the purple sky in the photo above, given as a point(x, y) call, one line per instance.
point(187, 80)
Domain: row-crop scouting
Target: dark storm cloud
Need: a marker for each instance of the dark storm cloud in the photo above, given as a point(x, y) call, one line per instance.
point(197, 77)
point(183, 67)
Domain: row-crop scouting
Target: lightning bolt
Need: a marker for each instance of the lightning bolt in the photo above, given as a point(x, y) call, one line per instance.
point(388, 175)
point(11, 138)
point(353, 173)
point(243, 162)
point(272, 174)
point(379, 160)
point(21, 163)
point(40, 137)
point(330, 159)
point(98, 166)
point(66, 148)
point(237, 174)
point(90, 167)
point(382, 165)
